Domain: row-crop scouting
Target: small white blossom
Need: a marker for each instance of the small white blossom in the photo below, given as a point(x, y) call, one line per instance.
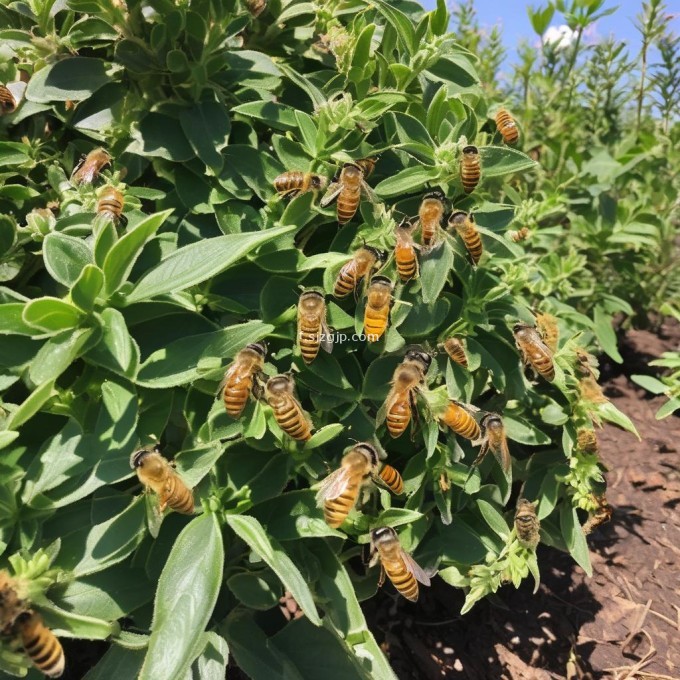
point(559, 36)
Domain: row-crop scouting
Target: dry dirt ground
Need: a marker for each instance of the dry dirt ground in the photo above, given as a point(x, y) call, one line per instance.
point(623, 623)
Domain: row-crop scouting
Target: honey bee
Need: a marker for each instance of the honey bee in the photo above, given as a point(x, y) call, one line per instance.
point(158, 474)
point(534, 351)
point(295, 182)
point(494, 440)
point(586, 367)
point(405, 253)
point(367, 165)
point(407, 380)
point(464, 225)
point(507, 127)
point(21, 624)
point(90, 166)
point(546, 325)
point(8, 103)
point(256, 7)
point(527, 524)
point(586, 440)
point(602, 514)
point(400, 567)
point(237, 383)
point(458, 418)
point(455, 348)
point(378, 302)
point(470, 168)
point(348, 189)
point(338, 493)
point(279, 394)
point(110, 204)
point(431, 214)
point(519, 235)
point(311, 325)
point(362, 264)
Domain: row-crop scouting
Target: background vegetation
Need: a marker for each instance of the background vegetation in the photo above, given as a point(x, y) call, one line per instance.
point(116, 337)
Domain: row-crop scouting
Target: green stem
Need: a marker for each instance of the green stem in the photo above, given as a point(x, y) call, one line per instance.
point(572, 63)
point(641, 91)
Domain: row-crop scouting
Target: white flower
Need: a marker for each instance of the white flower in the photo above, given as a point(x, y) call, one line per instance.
point(559, 36)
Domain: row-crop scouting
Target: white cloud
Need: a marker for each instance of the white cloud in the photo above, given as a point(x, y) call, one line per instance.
point(559, 36)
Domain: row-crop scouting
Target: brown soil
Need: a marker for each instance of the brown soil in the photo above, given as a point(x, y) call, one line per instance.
point(623, 623)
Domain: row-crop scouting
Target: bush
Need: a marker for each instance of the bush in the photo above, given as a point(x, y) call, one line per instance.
point(116, 336)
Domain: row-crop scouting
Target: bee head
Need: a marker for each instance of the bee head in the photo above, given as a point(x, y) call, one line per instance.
point(279, 384)
point(382, 535)
point(492, 421)
point(137, 458)
point(458, 217)
point(318, 182)
point(519, 327)
point(353, 166)
point(258, 347)
point(470, 149)
point(369, 451)
point(419, 355)
point(380, 255)
point(382, 281)
point(437, 194)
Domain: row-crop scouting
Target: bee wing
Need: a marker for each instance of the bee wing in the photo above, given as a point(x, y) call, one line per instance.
point(332, 192)
point(327, 342)
point(502, 453)
point(154, 516)
point(368, 192)
point(333, 486)
point(415, 568)
point(78, 166)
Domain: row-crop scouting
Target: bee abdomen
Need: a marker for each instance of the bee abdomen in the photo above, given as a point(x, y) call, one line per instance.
point(392, 478)
point(42, 646)
point(461, 422)
point(544, 365)
point(457, 353)
point(293, 422)
point(403, 581)
point(181, 498)
point(7, 102)
point(235, 396)
point(507, 127)
point(288, 182)
point(111, 204)
point(348, 202)
point(429, 234)
point(470, 170)
point(398, 417)
point(344, 284)
point(407, 266)
point(309, 344)
point(375, 323)
point(337, 509)
point(473, 243)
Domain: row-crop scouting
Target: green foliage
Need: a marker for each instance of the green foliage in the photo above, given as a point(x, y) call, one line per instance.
point(114, 334)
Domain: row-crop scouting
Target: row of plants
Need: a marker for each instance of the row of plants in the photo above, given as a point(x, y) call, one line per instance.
point(115, 334)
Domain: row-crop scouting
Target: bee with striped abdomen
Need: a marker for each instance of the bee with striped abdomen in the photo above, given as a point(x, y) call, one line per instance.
point(20, 625)
point(367, 165)
point(519, 235)
point(600, 515)
point(295, 182)
point(527, 525)
point(8, 103)
point(237, 384)
point(470, 168)
point(405, 255)
point(348, 188)
point(464, 225)
point(90, 166)
point(378, 303)
point(431, 214)
point(110, 204)
point(408, 378)
point(534, 351)
point(157, 473)
point(494, 439)
point(507, 126)
point(339, 491)
point(455, 348)
point(458, 417)
point(279, 392)
point(312, 330)
point(402, 570)
point(364, 262)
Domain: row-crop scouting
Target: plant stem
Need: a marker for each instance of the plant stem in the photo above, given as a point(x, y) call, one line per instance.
point(572, 63)
point(641, 91)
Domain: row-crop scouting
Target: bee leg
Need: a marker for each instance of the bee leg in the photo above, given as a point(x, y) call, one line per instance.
point(415, 416)
point(381, 579)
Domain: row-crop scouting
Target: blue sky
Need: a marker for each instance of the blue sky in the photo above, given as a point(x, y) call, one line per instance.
point(512, 16)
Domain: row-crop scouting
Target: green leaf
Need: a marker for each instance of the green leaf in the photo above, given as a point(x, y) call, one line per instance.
point(187, 592)
point(277, 116)
point(501, 160)
point(70, 624)
point(574, 537)
point(51, 314)
point(212, 663)
point(669, 407)
point(207, 126)
point(117, 662)
point(117, 350)
point(255, 589)
point(401, 23)
point(605, 334)
point(406, 181)
point(609, 412)
point(253, 533)
point(651, 384)
point(12, 320)
point(58, 353)
point(32, 404)
point(65, 257)
point(74, 78)
point(324, 435)
point(493, 518)
point(308, 132)
point(86, 289)
point(199, 261)
point(520, 430)
point(434, 272)
point(161, 136)
point(123, 255)
point(177, 363)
